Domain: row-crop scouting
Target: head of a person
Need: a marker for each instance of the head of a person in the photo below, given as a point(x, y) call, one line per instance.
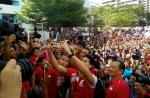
point(64, 60)
point(84, 52)
point(116, 68)
point(88, 60)
point(127, 62)
point(13, 53)
point(40, 61)
point(148, 40)
point(80, 45)
point(35, 51)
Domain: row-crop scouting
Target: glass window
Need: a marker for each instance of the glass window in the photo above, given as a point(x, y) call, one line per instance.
point(9, 2)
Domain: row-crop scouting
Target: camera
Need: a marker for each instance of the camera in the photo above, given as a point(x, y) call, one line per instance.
point(142, 78)
point(136, 55)
point(110, 55)
point(8, 28)
point(113, 57)
point(26, 68)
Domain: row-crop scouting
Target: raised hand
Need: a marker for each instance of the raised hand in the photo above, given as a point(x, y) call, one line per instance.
point(10, 81)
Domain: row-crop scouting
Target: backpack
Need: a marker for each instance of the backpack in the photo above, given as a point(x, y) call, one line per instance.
point(99, 89)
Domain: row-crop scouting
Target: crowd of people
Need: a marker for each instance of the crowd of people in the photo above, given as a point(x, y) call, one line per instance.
point(76, 63)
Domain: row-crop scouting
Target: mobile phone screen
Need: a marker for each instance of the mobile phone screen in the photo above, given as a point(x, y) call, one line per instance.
point(56, 45)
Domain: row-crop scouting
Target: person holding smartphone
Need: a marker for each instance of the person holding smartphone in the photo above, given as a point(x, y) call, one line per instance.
point(83, 82)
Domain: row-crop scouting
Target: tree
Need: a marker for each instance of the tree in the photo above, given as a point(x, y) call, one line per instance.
point(127, 15)
point(56, 12)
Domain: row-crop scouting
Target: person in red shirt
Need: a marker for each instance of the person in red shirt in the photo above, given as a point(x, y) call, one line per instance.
point(54, 79)
point(117, 88)
point(140, 90)
point(83, 82)
point(34, 57)
point(80, 51)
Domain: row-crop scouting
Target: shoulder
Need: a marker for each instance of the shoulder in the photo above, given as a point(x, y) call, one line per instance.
point(50, 72)
point(71, 71)
point(38, 69)
point(123, 84)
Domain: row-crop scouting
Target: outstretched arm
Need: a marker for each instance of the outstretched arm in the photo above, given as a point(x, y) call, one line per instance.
point(79, 64)
point(54, 62)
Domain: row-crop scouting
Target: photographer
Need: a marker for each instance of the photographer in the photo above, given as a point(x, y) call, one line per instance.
point(11, 49)
point(54, 79)
point(140, 91)
point(8, 87)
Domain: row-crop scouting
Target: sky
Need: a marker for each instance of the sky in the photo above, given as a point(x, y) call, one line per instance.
point(89, 3)
point(96, 1)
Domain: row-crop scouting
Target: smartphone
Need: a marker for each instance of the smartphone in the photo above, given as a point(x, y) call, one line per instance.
point(56, 45)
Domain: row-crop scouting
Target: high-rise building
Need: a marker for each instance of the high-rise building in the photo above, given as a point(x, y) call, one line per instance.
point(121, 2)
point(9, 9)
point(147, 5)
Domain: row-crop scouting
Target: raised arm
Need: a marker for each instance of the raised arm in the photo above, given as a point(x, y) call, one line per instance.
point(54, 62)
point(79, 64)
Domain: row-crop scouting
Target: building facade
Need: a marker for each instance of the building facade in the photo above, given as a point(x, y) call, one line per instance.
point(147, 5)
point(121, 2)
point(9, 9)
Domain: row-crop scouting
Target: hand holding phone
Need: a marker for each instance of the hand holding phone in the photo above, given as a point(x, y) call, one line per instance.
point(56, 45)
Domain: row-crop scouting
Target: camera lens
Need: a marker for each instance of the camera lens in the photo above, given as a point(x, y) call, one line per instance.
point(26, 68)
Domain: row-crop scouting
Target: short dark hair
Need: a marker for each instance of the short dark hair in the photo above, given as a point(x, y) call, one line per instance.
point(121, 64)
point(91, 59)
point(128, 60)
point(33, 50)
point(82, 44)
point(40, 60)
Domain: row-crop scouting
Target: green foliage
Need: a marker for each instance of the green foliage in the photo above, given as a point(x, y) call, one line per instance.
point(55, 12)
point(127, 15)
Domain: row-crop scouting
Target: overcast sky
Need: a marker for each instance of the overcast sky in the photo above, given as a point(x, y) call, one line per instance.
point(95, 2)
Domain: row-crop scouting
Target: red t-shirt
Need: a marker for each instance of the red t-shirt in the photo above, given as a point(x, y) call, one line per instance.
point(56, 81)
point(33, 60)
point(92, 69)
point(39, 73)
point(118, 89)
point(25, 88)
point(80, 88)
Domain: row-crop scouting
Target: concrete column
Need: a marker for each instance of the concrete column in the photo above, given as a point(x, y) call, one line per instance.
point(15, 18)
point(1, 15)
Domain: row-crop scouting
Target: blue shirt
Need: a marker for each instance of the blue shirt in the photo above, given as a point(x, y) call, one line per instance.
point(127, 73)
